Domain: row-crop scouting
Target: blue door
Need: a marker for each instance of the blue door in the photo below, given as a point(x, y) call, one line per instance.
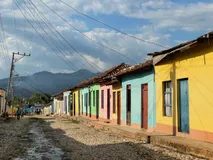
point(183, 106)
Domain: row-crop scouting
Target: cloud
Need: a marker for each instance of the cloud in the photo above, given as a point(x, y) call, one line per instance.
point(161, 17)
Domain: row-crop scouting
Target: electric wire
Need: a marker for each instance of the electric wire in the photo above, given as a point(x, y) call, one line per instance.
point(109, 26)
point(104, 46)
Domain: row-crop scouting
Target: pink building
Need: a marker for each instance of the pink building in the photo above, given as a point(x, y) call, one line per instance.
point(105, 104)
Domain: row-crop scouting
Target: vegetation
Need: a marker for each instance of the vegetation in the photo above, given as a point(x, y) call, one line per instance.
point(36, 98)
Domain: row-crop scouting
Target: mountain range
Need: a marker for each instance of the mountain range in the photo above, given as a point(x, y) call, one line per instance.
point(47, 82)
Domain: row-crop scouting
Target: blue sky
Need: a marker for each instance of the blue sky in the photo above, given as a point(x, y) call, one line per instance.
point(165, 22)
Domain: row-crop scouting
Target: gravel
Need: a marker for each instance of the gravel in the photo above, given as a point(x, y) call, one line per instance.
point(13, 138)
point(80, 142)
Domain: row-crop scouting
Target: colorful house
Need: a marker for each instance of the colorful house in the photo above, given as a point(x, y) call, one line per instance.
point(138, 96)
point(58, 103)
point(94, 101)
point(105, 98)
point(76, 108)
point(67, 103)
point(184, 89)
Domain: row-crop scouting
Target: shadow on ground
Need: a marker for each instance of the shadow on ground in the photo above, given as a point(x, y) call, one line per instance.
point(74, 149)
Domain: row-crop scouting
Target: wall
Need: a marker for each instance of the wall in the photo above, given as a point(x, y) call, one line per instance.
point(196, 64)
point(93, 105)
point(115, 88)
point(67, 94)
point(136, 80)
point(103, 111)
point(83, 92)
point(2, 102)
point(76, 102)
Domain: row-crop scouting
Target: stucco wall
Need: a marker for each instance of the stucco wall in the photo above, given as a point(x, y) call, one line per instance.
point(103, 111)
point(66, 94)
point(94, 88)
point(196, 64)
point(136, 80)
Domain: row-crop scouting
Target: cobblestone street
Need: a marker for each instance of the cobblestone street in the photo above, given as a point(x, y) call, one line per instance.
point(49, 138)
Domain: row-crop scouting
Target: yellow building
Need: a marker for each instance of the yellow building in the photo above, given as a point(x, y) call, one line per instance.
point(184, 89)
point(76, 102)
point(116, 103)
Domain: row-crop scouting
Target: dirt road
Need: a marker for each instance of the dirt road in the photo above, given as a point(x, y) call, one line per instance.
point(50, 139)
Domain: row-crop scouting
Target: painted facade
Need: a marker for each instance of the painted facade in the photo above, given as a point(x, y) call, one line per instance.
point(116, 103)
point(85, 100)
point(188, 109)
point(67, 104)
point(76, 102)
point(94, 101)
point(135, 82)
point(105, 105)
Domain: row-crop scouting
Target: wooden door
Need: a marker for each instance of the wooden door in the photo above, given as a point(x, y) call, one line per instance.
point(183, 106)
point(128, 105)
point(86, 103)
point(144, 106)
point(90, 114)
point(118, 107)
point(79, 104)
point(74, 103)
point(82, 104)
point(97, 104)
point(65, 105)
point(108, 103)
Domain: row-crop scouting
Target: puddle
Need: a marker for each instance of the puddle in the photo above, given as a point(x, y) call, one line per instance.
point(42, 148)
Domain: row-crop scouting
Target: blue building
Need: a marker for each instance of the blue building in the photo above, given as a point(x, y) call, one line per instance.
point(138, 96)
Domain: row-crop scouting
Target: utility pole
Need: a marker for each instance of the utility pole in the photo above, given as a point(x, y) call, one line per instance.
point(14, 60)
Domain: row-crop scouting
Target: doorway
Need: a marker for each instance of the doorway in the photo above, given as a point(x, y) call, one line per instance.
point(97, 104)
point(144, 106)
point(119, 108)
point(183, 106)
point(74, 103)
point(108, 103)
point(128, 105)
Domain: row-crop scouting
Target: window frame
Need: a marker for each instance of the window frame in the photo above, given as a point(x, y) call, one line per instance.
point(114, 102)
point(102, 99)
point(167, 98)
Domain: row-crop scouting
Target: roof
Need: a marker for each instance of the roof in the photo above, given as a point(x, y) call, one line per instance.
point(135, 68)
point(65, 90)
point(97, 79)
point(183, 46)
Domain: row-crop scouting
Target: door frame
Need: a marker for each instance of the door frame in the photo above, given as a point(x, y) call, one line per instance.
point(179, 106)
point(119, 107)
point(143, 120)
point(97, 104)
point(128, 102)
point(108, 103)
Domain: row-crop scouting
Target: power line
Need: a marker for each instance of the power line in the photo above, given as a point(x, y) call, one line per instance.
point(41, 35)
point(43, 18)
point(93, 65)
point(107, 25)
point(86, 35)
point(52, 40)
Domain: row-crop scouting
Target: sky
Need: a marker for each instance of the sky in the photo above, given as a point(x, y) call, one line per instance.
point(75, 42)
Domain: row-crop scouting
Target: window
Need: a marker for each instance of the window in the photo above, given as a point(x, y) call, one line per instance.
point(102, 98)
point(90, 98)
point(167, 90)
point(114, 102)
point(93, 98)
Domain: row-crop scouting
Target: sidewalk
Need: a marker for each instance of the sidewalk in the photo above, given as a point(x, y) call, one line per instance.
point(180, 144)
